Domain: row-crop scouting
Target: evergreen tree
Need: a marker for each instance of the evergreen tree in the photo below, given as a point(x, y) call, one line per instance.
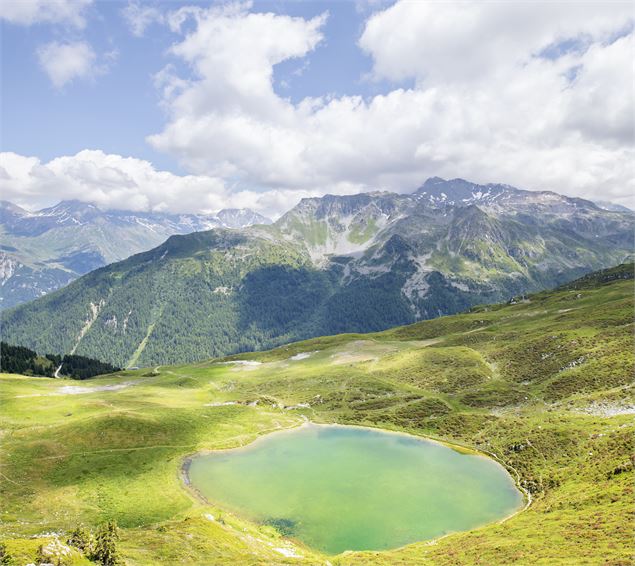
point(17, 359)
point(81, 539)
point(105, 549)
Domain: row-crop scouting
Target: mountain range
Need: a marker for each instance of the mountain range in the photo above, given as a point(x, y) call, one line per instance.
point(47, 249)
point(332, 264)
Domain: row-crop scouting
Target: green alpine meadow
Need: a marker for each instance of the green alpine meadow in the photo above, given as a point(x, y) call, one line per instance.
point(537, 391)
point(322, 283)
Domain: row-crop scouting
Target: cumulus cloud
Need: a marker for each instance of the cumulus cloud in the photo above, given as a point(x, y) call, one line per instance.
point(64, 62)
point(231, 54)
point(497, 97)
point(470, 42)
point(125, 183)
point(29, 12)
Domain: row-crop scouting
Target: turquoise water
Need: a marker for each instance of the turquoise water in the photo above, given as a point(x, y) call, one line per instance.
point(339, 488)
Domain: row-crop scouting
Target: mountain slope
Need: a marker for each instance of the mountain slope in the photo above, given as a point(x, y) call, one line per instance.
point(543, 385)
point(332, 264)
point(44, 250)
point(606, 205)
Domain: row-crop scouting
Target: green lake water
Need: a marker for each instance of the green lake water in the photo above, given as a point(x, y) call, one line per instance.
point(339, 488)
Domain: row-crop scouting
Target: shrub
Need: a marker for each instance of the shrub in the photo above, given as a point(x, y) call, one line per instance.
point(5, 557)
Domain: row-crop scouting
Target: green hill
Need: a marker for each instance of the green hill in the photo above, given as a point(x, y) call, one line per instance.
point(544, 385)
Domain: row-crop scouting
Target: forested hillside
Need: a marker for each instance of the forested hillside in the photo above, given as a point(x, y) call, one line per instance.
point(47, 249)
point(333, 264)
point(17, 359)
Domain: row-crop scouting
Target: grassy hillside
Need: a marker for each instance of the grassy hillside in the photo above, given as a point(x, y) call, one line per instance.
point(544, 385)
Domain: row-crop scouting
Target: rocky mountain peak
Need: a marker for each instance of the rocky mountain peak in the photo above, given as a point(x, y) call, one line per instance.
point(240, 217)
point(72, 211)
point(459, 192)
point(7, 206)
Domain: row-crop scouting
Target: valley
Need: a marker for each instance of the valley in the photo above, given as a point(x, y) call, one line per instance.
point(542, 384)
point(317, 283)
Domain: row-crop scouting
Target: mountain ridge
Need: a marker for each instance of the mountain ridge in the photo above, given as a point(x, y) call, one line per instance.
point(46, 249)
point(332, 264)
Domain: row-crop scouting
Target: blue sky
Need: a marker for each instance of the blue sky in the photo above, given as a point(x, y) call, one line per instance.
point(116, 110)
point(113, 111)
point(199, 106)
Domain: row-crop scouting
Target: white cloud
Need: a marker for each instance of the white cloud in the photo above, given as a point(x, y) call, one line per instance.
point(65, 62)
point(232, 53)
point(488, 105)
point(140, 17)
point(29, 12)
point(465, 42)
point(116, 182)
point(600, 103)
point(496, 98)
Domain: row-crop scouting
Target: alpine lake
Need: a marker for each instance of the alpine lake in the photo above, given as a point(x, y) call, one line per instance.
point(337, 488)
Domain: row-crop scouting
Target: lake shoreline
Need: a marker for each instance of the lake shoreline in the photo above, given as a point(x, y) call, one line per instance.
point(194, 492)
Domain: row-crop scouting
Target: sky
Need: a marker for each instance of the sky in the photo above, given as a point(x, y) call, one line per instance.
point(194, 107)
